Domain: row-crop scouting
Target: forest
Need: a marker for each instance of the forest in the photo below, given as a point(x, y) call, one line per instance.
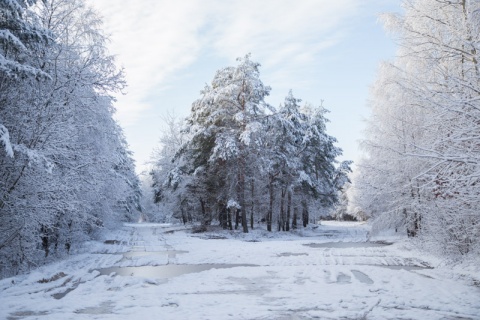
point(421, 172)
point(235, 161)
point(65, 168)
point(238, 158)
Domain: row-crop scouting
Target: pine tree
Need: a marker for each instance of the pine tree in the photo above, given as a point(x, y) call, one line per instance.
point(243, 156)
point(223, 126)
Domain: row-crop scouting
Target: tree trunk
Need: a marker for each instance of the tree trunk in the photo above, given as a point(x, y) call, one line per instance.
point(252, 204)
point(184, 216)
point(237, 217)
point(270, 206)
point(45, 242)
point(305, 215)
point(413, 226)
point(289, 208)
point(189, 214)
point(67, 247)
point(243, 210)
point(241, 188)
point(223, 215)
point(281, 220)
point(205, 220)
point(295, 216)
point(229, 218)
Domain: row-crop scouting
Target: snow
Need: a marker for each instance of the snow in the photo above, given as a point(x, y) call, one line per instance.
point(5, 139)
point(258, 275)
point(10, 38)
point(35, 157)
point(233, 204)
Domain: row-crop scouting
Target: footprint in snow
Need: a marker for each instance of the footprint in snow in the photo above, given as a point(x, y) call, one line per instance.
point(343, 278)
point(362, 277)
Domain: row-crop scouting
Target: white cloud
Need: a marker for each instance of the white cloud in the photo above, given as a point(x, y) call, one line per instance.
point(156, 38)
point(165, 43)
point(278, 29)
point(152, 40)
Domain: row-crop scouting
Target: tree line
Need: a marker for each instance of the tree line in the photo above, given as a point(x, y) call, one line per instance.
point(421, 175)
point(239, 161)
point(65, 168)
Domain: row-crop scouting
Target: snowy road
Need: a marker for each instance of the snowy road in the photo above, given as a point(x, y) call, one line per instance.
point(163, 272)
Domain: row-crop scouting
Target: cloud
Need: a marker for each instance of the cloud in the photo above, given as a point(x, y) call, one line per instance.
point(154, 39)
point(278, 29)
point(288, 37)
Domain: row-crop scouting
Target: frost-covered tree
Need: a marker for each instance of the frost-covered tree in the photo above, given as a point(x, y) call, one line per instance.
point(282, 147)
point(170, 142)
point(342, 210)
point(224, 124)
point(425, 124)
point(17, 36)
point(301, 161)
point(289, 143)
point(243, 157)
point(320, 177)
point(397, 125)
point(63, 124)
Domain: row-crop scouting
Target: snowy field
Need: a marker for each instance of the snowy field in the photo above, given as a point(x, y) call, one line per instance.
point(152, 271)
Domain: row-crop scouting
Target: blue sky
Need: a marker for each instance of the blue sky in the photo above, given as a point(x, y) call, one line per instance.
point(321, 49)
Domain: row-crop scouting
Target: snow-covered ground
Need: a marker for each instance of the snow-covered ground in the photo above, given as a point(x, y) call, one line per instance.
point(156, 271)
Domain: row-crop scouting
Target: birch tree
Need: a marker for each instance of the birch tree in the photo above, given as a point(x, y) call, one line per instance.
point(431, 115)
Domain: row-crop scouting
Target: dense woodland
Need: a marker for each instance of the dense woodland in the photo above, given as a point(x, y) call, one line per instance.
point(240, 161)
point(65, 168)
point(421, 175)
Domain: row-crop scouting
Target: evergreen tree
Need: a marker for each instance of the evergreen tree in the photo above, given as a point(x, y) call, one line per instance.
point(243, 156)
point(224, 125)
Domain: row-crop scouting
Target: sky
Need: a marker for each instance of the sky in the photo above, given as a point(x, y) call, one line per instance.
point(327, 52)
